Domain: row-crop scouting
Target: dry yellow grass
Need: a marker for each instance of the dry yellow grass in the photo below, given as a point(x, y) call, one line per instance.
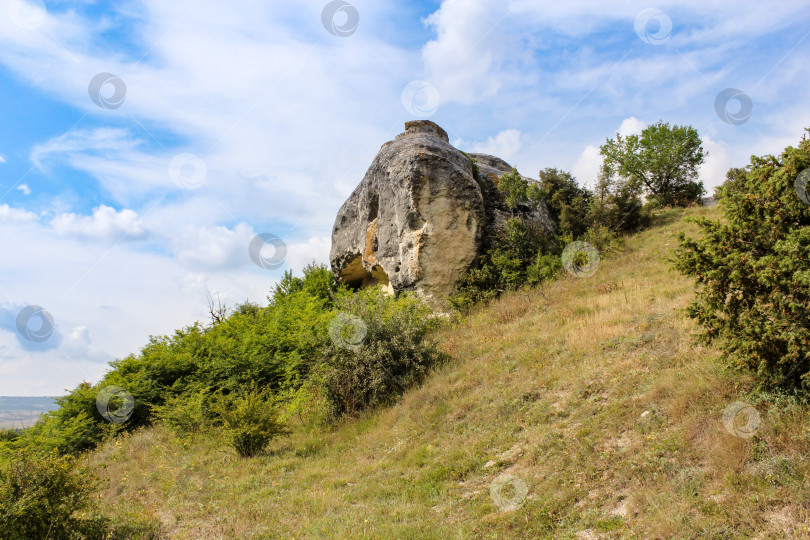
point(591, 393)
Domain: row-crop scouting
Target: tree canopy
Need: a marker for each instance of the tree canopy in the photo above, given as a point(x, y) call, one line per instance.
point(664, 160)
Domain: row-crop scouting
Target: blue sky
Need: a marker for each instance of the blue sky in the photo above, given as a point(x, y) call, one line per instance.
point(248, 117)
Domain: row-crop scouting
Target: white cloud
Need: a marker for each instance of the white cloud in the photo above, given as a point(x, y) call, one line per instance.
point(15, 215)
point(2, 159)
point(213, 247)
point(461, 60)
point(105, 223)
point(586, 168)
point(717, 163)
point(504, 145)
point(24, 188)
point(631, 126)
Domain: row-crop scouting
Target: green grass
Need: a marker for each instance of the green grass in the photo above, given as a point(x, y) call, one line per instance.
point(592, 392)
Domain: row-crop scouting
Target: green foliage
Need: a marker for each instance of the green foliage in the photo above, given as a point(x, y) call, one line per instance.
point(42, 497)
point(250, 418)
point(616, 204)
point(252, 370)
point(515, 188)
point(735, 181)
point(188, 413)
point(664, 160)
point(606, 241)
point(567, 203)
point(754, 268)
point(8, 434)
point(519, 255)
point(389, 350)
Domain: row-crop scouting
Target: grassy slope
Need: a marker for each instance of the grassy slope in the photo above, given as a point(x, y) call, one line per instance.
point(549, 386)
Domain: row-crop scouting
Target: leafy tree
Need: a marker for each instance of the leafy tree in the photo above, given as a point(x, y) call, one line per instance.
point(664, 160)
point(754, 268)
point(515, 187)
point(616, 204)
point(567, 202)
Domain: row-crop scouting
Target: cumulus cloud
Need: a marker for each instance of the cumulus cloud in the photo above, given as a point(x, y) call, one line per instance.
point(2, 159)
point(15, 215)
point(586, 168)
point(214, 247)
point(105, 223)
point(631, 126)
point(461, 60)
point(718, 162)
point(24, 188)
point(505, 145)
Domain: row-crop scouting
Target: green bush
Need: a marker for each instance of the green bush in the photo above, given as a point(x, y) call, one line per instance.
point(567, 203)
point(250, 419)
point(188, 413)
point(754, 269)
point(380, 346)
point(44, 497)
point(515, 258)
point(8, 434)
point(616, 204)
point(606, 241)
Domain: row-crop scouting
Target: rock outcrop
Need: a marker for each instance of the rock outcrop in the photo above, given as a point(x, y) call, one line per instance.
point(419, 217)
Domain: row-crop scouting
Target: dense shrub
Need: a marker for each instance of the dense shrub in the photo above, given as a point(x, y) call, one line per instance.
point(200, 377)
point(735, 181)
point(519, 255)
point(754, 268)
point(188, 413)
point(250, 419)
point(616, 204)
point(517, 189)
point(380, 346)
point(567, 203)
point(42, 497)
point(8, 434)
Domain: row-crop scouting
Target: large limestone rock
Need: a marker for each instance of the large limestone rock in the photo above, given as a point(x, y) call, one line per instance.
point(419, 218)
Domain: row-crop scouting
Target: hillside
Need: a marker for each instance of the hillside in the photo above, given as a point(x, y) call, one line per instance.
point(590, 392)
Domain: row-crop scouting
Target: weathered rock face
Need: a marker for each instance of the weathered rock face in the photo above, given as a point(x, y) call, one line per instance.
point(419, 219)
